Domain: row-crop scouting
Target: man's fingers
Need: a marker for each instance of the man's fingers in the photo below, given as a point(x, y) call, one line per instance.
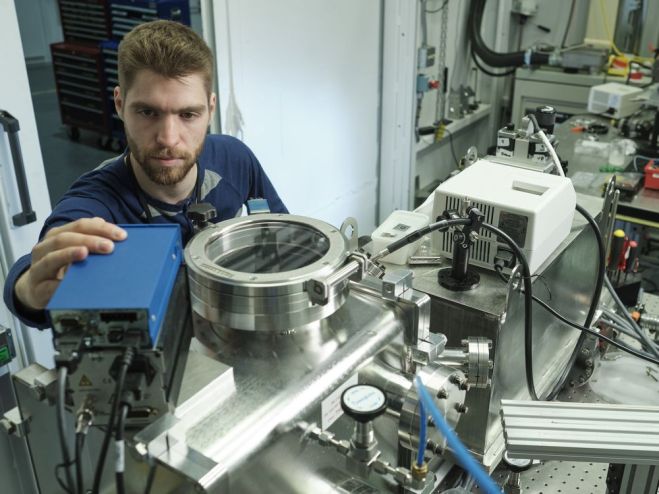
point(48, 267)
point(63, 240)
point(61, 272)
point(91, 226)
point(43, 292)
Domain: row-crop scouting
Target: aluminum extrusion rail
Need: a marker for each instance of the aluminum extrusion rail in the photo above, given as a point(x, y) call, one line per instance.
point(588, 432)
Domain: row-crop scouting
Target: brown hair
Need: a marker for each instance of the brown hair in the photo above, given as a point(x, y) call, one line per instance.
point(169, 49)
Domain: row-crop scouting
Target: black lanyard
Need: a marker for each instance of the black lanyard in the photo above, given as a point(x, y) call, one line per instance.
point(141, 198)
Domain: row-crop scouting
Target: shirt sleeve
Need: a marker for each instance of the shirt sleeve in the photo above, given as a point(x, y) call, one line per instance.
point(67, 210)
point(36, 319)
point(261, 187)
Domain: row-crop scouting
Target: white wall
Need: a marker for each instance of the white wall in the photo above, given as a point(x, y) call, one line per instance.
point(437, 161)
point(307, 76)
point(40, 26)
point(15, 99)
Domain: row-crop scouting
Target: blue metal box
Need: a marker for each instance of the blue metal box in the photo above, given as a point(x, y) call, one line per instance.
point(107, 297)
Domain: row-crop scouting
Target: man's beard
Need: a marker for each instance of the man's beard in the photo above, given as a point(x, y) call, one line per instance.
point(157, 173)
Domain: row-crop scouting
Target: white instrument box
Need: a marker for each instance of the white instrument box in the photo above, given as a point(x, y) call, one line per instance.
point(535, 209)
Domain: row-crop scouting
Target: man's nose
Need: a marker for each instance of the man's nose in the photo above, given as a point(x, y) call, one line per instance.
point(168, 132)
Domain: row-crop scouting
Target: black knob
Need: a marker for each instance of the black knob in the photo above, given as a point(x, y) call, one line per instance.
point(363, 402)
point(201, 213)
point(546, 116)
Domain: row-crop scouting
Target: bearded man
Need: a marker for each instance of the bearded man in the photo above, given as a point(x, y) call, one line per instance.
point(165, 100)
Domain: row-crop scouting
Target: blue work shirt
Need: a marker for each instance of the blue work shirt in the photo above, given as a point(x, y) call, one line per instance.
point(229, 176)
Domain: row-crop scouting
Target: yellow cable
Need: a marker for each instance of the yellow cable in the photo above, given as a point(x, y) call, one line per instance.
point(638, 221)
point(605, 19)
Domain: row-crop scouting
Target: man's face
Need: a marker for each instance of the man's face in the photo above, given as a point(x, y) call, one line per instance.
point(165, 122)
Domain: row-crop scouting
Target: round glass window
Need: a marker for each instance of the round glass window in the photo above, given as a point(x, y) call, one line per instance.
point(268, 247)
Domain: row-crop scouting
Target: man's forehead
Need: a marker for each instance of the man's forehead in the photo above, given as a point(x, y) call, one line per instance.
point(159, 92)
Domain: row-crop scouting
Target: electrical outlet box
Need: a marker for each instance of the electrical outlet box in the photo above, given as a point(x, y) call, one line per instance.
point(426, 57)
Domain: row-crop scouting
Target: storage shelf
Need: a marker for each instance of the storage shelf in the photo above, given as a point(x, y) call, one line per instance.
point(454, 127)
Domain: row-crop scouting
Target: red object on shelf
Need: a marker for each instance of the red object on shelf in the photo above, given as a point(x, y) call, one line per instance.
point(651, 175)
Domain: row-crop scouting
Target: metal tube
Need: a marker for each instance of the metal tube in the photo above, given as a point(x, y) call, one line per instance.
point(393, 382)
point(301, 399)
point(363, 435)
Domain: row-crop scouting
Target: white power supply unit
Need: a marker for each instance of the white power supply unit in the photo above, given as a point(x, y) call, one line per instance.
point(614, 99)
point(535, 209)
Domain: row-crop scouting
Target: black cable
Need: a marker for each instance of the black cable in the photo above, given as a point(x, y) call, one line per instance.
point(625, 348)
point(569, 23)
point(150, 478)
point(417, 234)
point(437, 10)
point(526, 277)
point(80, 442)
point(488, 72)
point(490, 57)
point(127, 358)
point(599, 283)
point(119, 440)
point(61, 427)
point(58, 467)
point(450, 140)
point(499, 269)
point(528, 308)
point(560, 383)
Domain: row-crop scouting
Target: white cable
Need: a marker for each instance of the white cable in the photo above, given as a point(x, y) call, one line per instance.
point(234, 117)
point(552, 152)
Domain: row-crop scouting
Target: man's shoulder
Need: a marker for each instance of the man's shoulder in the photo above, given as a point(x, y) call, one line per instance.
point(226, 155)
point(111, 164)
point(111, 173)
point(226, 145)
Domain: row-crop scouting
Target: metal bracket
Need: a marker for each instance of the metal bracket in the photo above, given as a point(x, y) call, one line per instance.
point(358, 266)
point(14, 424)
point(396, 282)
point(427, 350)
point(353, 238)
point(319, 290)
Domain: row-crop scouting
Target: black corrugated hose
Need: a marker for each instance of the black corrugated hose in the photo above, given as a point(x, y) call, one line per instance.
point(490, 57)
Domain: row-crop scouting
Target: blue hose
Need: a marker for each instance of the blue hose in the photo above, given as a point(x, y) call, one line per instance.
point(423, 433)
point(463, 457)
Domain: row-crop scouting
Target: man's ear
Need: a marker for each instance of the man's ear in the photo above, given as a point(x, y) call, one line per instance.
point(212, 102)
point(118, 102)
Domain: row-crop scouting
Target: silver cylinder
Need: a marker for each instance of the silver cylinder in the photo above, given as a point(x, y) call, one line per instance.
point(250, 273)
point(363, 436)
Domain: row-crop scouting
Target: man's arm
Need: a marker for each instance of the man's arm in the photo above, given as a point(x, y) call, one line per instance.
point(84, 227)
point(261, 186)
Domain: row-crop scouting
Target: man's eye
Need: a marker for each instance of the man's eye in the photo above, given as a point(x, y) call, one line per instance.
point(188, 115)
point(147, 113)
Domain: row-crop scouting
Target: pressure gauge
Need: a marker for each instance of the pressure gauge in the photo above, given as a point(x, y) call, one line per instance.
point(363, 402)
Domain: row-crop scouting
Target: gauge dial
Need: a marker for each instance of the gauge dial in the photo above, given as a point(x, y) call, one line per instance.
point(363, 402)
